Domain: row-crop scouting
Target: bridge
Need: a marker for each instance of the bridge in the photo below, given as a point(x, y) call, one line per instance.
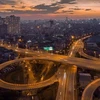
point(69, 72)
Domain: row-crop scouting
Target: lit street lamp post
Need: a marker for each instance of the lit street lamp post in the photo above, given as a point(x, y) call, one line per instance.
point(99, 55)
point(26, 46)
point(95, 53)
point(72, 37)
point(9, 56)
point(17, 45)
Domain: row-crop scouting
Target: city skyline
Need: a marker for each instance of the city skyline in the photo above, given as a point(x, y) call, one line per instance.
point(52, 9)
point(49, 50)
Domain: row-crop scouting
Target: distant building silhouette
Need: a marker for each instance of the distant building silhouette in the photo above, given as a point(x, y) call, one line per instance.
point(13, 24)
point(3, 27)
point(1, 21)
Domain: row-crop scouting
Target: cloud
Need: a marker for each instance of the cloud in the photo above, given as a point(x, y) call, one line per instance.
point(88, 9)
point(1, 2)
point(76, 8)
point(37, 11)
point(67, 1)
point(74, 2)
point(9, 2)
point(65, 11)
point(89, 1)
point(11, 11)
point(13, 6)
point(71, 13)
point(54, 4)
point(23, 7)
point(43, 6)
point(48, 8)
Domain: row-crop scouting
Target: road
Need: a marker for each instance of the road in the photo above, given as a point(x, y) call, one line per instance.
point(62, 78)
point(31, 78)
point(81, 52)
point(89, 90)
point(12, 86)
point(70, 83)
point(76, 61)
point(59, 58)
point(31, 84)
point(48, 65)
point(67, 78)
point(66, 90)
point(20, 50)
point(74, 49)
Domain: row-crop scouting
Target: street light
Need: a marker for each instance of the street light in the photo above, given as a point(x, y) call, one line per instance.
point(72, 36)
point(99, 55)
point(9, 56)
point(1, 44)
point(84, 49)
point(95, 53)
point(26, 46)
point(17, 45)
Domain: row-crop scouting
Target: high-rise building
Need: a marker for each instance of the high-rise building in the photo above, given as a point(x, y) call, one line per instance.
point(13, 24)
point(3, 30)
point(3, 27)
point(1, 21)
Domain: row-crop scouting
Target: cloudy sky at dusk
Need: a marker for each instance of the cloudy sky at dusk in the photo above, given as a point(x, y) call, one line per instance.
point(52, 9)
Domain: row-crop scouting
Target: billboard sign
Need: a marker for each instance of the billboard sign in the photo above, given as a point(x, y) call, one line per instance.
point(48, 48)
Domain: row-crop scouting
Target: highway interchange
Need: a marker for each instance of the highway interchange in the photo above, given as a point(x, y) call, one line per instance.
point(66, 75)
point(89, 90)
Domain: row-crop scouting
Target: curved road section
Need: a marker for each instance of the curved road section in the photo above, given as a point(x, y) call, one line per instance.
point(12, 86)
point(89, 90)
point(46, 56)
point(81, 52)
point(66, 88)
point(63, 60)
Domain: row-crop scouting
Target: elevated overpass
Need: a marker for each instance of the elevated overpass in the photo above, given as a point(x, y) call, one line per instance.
point(80, 62)
point(64, 60)
point(89, 90)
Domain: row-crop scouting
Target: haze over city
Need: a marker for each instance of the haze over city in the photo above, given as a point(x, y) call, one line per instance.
point(51, 9)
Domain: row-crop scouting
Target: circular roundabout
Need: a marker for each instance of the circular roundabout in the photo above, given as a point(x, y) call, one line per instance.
point(28, 73)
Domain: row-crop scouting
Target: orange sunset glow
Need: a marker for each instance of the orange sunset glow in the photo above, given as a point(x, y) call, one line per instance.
point(56, 9)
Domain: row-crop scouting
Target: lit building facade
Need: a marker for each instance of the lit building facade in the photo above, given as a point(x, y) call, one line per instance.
point(13, 24)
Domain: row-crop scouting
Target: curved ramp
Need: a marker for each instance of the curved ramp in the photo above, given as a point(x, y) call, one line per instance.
point(89, 90)
point(64, 60)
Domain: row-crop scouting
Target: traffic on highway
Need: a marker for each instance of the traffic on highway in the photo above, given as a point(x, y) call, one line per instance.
point(66, 74)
